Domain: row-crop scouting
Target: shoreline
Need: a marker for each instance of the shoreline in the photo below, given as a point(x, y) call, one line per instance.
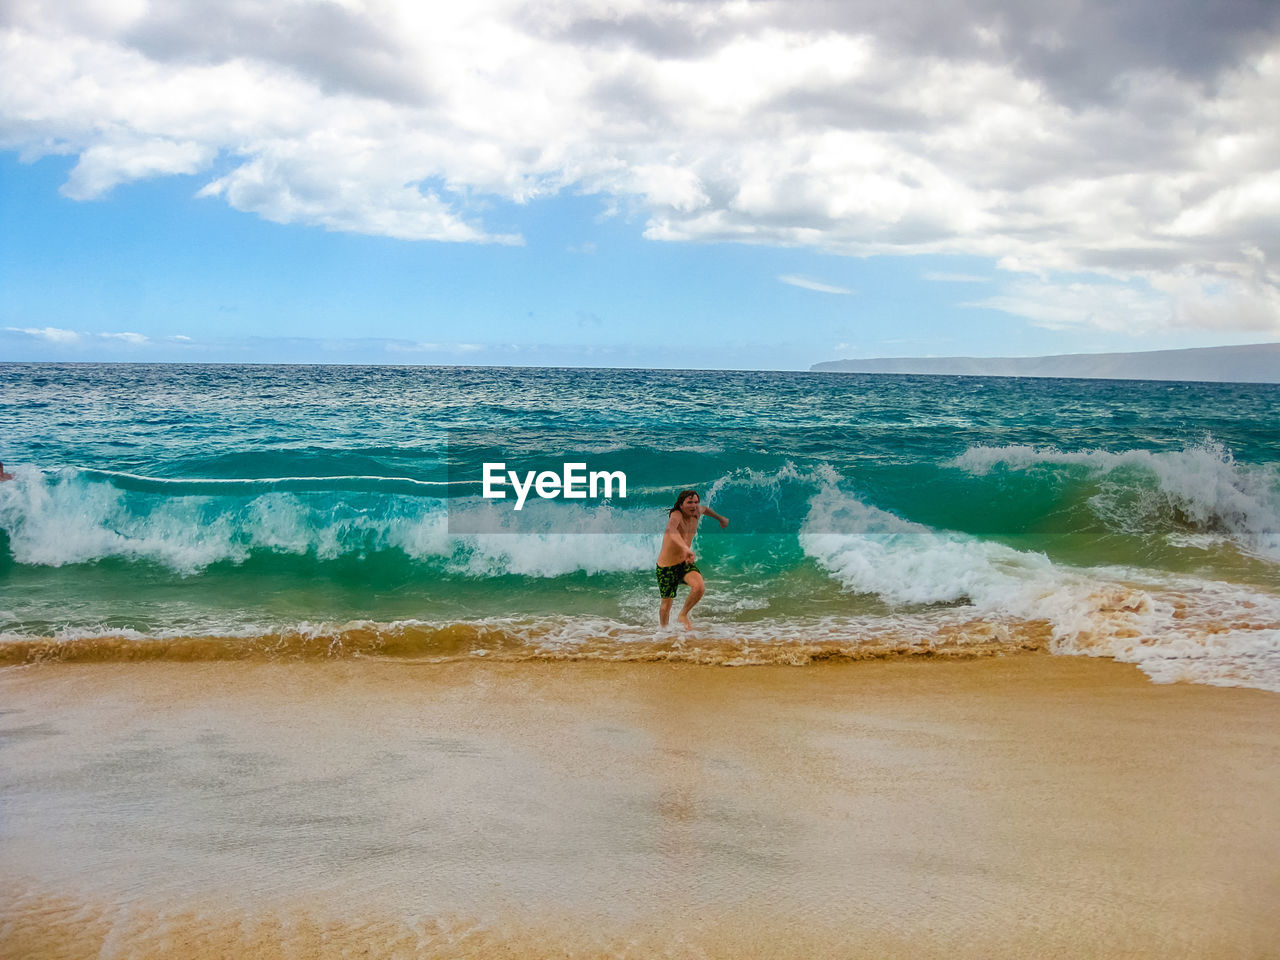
point(988, 807)
point(464, 643)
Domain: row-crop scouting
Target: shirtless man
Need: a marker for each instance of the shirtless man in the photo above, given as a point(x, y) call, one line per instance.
point(676, 560)
point(4, 476)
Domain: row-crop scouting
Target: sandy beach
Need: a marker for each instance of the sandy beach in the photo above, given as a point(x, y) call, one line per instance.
point(1006, 807)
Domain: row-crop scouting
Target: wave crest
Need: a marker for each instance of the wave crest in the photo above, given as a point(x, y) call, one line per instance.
point(1199, 489)
point(1173, 627)
point(71, 516)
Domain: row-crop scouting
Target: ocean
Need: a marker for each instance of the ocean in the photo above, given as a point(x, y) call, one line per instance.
point(229, 512)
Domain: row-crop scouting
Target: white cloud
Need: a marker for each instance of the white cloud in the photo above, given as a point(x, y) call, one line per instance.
point(56, 335)
point(1248, 301)
point(105, 165)
point(1063, 306)
point(50, 334)
point(808, 284)
point(68, 338)
point(401, 346)
point(956, 278)
point(859, 128)
point(406, 346)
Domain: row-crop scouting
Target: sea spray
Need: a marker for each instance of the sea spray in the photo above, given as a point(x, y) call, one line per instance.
point(1200, 488)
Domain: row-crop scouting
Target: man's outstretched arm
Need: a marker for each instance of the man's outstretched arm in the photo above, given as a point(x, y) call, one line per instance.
point(708, 512)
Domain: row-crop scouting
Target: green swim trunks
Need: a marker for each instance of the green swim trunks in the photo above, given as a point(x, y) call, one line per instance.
point(671, 577)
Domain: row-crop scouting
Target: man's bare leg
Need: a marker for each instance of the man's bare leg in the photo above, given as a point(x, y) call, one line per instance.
point(696, 589)
point(664, 611)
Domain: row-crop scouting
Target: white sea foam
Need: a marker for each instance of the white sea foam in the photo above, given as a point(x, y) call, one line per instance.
point(1172, 627)
point(60, 519)
point(257, 482)
point(65, 517)
point(769, 483)
point(1203, 633)
point(555, 554)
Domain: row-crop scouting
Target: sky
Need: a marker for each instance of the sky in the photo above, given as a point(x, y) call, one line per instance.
point(756, 185)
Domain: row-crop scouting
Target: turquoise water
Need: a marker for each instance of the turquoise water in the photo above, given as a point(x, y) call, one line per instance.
point(192, 510)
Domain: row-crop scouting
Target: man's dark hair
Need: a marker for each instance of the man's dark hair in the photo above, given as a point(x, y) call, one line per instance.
point(681, 498)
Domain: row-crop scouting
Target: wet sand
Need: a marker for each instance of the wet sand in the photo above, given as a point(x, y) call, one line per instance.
point(1007, 807)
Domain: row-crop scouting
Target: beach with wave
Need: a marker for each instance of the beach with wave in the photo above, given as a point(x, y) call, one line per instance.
point(277, 678)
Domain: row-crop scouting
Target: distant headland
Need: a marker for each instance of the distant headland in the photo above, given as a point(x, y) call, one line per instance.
point(1252, 363)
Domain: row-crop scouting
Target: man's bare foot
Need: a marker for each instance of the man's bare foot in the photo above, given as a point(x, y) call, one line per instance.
point(684, 619)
